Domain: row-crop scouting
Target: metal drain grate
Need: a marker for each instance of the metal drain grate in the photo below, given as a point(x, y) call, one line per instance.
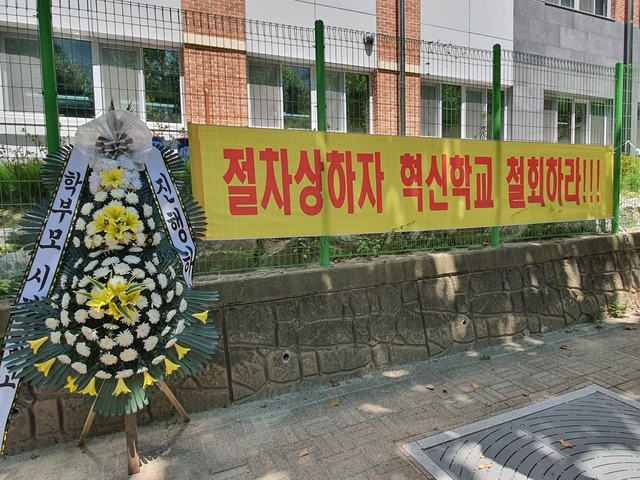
point(603, 429)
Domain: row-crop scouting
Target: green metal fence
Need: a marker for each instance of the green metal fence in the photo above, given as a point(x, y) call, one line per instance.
point(173, 66)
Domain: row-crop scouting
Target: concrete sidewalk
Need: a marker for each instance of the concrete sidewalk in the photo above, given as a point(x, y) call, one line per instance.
point(356, 429)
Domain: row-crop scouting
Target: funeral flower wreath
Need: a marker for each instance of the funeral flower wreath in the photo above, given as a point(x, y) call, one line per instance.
point(120, 315)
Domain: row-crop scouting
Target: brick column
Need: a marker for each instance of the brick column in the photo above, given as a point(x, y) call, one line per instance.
point(215, 62)
point(385, 80)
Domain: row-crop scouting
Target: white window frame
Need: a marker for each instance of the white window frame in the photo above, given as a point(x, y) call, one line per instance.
point(578, 5)
point(587, 121)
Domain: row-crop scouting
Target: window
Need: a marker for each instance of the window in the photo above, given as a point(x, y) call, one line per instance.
point(596, 7)
point(281, 96)
point(74, 77)
point(296, 86)
point(347, 102)
point(120, 79)
point(161, 85)
point(568, 120)
point(21, 75)
point(455, 111)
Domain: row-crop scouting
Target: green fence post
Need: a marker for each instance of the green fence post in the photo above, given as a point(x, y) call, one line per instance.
point(322, 116)
point(48, 69)
point(617, 145)
point(496, 127)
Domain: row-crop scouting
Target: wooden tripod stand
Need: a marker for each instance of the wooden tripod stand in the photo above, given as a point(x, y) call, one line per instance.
point(131, 428)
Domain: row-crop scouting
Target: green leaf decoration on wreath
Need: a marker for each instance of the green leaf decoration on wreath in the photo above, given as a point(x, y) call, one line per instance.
point(119, 315)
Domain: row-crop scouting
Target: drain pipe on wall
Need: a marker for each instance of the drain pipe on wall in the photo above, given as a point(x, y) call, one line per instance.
point(401, 65)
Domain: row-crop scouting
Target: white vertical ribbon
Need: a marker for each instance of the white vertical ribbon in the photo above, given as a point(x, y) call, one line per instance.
point(45, 261)
point(173, 214)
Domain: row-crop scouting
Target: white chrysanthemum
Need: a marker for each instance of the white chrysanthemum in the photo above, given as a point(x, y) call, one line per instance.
point(150, 343)
point(124, 373)
point(70, 338)
point(96, 314)
point(91, 265)
point(138, 273)
point(141, 238)
point(100, 196)
point(83, 349)
point(55, 337)
point(52, 323)
point(76, 243)
point(110, 326)
point(147, 210)
point(142, 331)
point(55, 306)
point(165, 330)
point(142, 370)
point(117, 193)
point(151, 224)
point(110, 261)
point(101, 272)
point(179, 288)
point(81, 299)
point(98, 240)
point(162, 280)
point(87, 208)
point(81, 224)
point(154, 316)
point(102, 375)
point(107, 343)
point(90, 230)
point(65, 300)
point(84, 281)
point(81, 315)
point(132, 259)
point(156, 239)
point(79, 367)
point(89, 333)
point(170, 295)
point(170, 315)
point(156, 300)
point(183, 305)
point(63, 281)
point(126, 238)
point(88, 242)
point(55, 297)
point(159, 359)
point(111, 243)
point(78, 263)
point(108, 358)
point(142, 302)
point(125, 338)
point(117, 279)
point(64, 359)
point(155, 259)
point(74, 282)
point(128, 355)
point(179, 328)
point(121, 268)
point(64, 317)
point(149, 284)
point(131, 198)
point(150, 267)
point(171, 343)
point(135, 249)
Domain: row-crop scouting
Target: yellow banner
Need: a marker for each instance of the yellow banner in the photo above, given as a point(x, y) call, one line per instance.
point(259, 183)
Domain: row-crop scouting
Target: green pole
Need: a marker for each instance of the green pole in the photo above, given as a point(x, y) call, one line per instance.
point(322, 116)
point(496, 127)
point(617, 145)
point(48, 68)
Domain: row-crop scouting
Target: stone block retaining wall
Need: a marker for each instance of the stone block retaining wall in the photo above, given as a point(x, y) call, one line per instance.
point(283, 330)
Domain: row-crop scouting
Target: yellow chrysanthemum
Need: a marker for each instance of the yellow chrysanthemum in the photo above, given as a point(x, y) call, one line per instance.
point(71, 384)
point(201, 316)
point(182, 351)
point(36, 344)
point(170, 367)
point(121, 388)
point(44, 367)
point(148, 380)
point(90, 389)
point(112, 178)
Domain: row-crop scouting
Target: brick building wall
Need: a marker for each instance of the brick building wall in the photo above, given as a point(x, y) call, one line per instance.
point(215, 62)
point(385, 80)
